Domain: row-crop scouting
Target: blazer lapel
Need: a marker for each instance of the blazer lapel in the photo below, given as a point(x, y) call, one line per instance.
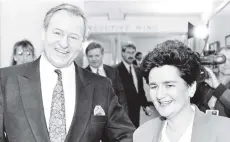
point(30, 91)
point(88, 68)
point(159, 133)
point(201, 127)
point(84, 99)
point(108, 72)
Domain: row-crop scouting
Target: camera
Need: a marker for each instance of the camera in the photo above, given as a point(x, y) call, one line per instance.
point(213, 59)
point(210, 58)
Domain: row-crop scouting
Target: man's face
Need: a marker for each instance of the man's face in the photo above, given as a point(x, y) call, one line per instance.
point(128, 55)
point(95, 57)
point(23, 55)
point(63, 38)
point(168, 91)
point(225, 68)
point(139, 57)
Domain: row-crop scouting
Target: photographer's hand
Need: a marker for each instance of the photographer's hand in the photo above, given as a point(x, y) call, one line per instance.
point(214, 83)
point(212, 80)
point(224, 79)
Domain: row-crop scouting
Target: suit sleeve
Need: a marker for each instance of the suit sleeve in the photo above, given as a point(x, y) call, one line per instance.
point(119, 90)
point(119, 128)
point(143, 99)
point(223, 95)
point(1, 115)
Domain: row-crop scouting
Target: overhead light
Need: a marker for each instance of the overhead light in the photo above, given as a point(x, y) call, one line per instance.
point(201, 31)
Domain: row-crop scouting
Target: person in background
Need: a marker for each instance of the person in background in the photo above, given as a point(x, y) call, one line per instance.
point(95, 53)
point(23, 52)
point(138, 59)
point(132, 81)
point(172, 70)
point(214, 92)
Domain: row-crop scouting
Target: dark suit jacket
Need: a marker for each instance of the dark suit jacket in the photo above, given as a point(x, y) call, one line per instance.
point(113, 75)
point(134, 99)
point(135, 62)
point(22, 113)
point(206, 128)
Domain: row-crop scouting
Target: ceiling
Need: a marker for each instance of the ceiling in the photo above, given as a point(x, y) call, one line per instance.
point(120, 9)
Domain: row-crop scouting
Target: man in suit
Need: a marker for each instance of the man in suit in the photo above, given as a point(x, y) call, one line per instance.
point(95, 52)
point(132, 81)
point(172, 70)
point(138, 59)
point(54, 100)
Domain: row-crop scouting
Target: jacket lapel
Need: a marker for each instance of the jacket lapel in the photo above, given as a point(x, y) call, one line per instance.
point(30, 91)
point(88, 68)
point(201, 126)
point(108, 72)
point(84, 99)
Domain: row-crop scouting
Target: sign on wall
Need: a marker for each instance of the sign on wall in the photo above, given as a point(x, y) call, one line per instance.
point(122, 28)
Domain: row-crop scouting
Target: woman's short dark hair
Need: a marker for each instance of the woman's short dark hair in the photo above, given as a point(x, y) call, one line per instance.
point(25, 44)
point(175, 53)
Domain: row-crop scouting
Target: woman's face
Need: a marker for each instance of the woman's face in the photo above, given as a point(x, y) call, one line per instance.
point(168, 91)
point(23, 55)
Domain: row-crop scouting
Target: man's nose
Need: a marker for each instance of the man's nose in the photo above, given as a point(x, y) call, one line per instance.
point(64, 41)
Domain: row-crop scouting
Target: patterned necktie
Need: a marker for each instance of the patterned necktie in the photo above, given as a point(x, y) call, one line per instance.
point(57, 122)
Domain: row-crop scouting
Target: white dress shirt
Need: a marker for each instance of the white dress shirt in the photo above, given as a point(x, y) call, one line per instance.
point(48, 81)
point(101, 70)
point(186, 136)
point(133, 73)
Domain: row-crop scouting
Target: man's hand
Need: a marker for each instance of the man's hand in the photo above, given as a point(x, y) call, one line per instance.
point(212, 80)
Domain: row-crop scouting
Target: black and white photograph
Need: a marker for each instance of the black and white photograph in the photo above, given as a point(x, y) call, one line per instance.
point(114, 70)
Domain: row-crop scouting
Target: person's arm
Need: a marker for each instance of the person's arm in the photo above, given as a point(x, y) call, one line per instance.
point(119, 127)
point(144, 102)
point(119, 90)
point(2, 135)
point(220, 92)
point(223, 95)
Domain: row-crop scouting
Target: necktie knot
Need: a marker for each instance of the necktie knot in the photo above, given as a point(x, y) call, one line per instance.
point(59, 73)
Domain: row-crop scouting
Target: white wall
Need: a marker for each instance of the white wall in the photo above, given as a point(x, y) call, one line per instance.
point(22, 19)
point(147, 44)
point(143, 24)
point(220, 26)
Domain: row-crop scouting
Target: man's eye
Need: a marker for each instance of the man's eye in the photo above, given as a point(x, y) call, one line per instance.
point(153, 87)
point(57, 33)
point(169, 86)
point(74, 37)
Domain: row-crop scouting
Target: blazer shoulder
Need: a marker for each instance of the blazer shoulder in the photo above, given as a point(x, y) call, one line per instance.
point(107, 67)
point(221, 126)
point(14, 70)
point(147, 130)
point(220, 122)
point(94, 78)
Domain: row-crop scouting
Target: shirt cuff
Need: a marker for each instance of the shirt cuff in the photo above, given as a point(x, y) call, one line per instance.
point(219, 91)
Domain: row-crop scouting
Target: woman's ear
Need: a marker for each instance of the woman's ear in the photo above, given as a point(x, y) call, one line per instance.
point(192, 89)
point(15, 58)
